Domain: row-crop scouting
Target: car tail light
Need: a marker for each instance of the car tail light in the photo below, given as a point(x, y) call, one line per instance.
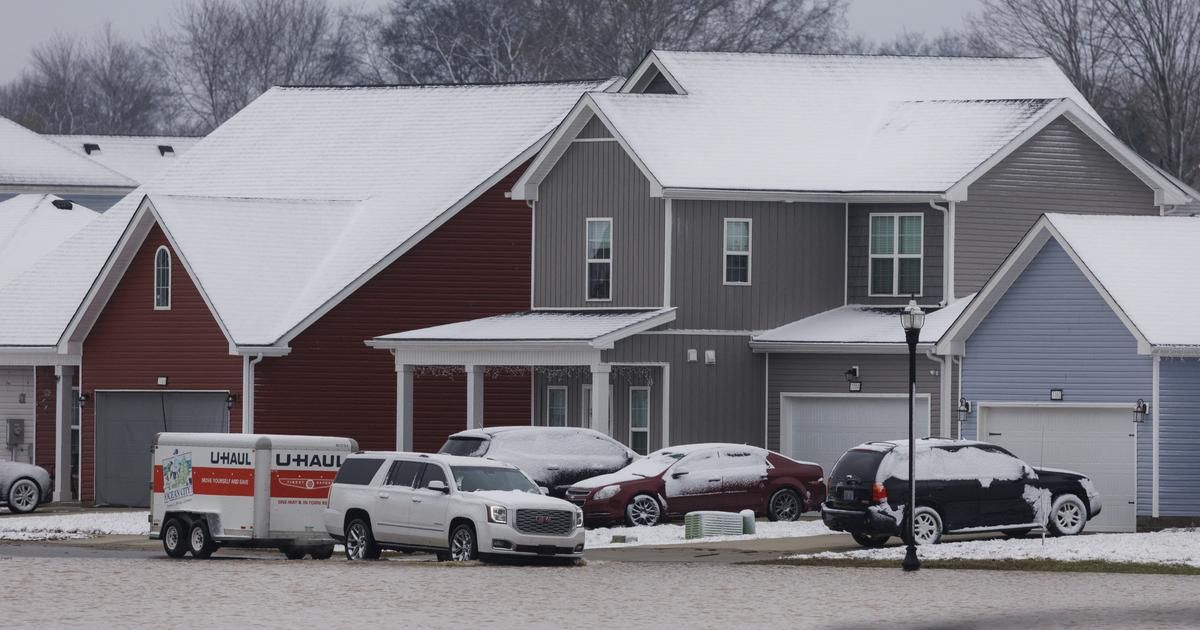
point(878, 493)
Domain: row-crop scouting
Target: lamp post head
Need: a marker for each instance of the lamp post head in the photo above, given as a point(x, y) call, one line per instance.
point(913, 318)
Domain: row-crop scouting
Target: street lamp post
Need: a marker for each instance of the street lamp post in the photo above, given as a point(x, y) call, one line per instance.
point(912, 319)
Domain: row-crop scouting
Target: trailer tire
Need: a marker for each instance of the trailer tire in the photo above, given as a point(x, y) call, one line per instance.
point(200, 542)
point(174, 537)
point(322, 553)
point(293, 553)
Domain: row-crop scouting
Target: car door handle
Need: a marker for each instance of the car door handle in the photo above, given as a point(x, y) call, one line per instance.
point(990, 434)
point(384, 495)
point(416, 499)
point(713, 480)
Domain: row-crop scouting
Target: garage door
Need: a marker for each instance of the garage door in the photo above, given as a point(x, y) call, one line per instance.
point(125, 426)
point(820, 428)
point(1096, 441)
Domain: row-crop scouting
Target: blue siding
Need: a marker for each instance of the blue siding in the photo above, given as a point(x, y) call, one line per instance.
point(1052, 329)
point(1179, 438)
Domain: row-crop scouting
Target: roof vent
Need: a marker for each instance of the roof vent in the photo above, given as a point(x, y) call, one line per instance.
point(63, 204)
point(165, 150)
point(90, 148)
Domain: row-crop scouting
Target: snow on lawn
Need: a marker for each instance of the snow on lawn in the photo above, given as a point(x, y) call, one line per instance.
point(1167, 547)
point(668, 534)
point(81, 525)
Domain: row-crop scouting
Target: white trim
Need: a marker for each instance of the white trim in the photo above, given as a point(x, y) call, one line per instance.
point(835, 348)
point(566, 404)
point(1048, 404)
point(162, 249)
point(846, 252)
point(649, 420)
point(767, 400)
point(585, 417)
point(831, 196)
point(704, 332)
point(606, 341)
point(65, 190)
point(668, 227)
point(651, 62)
point(785, 433)
point(532, 254)
point(610, 139)
point(589, 261)
point(726, 252)
point(1156, 427)
point(895, 256)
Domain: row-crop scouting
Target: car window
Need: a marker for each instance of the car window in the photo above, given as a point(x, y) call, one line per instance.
point(860, 464)
point(432, 472)
point(358, 471)
point(742, 465)
point(403, 473)
point(483, 478)
point(703, 460)
point(465, 446)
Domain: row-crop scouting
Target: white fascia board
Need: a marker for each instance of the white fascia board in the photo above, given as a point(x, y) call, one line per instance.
point(730, 194)
point(651, 63)
point(792, 347)
point(478, 345)
point(1173, 351)
point(606, 342)
point(36, 355)
point(266, 351)
point(41, 188)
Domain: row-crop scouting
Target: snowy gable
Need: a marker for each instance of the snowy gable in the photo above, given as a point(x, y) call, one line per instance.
point(32, 226)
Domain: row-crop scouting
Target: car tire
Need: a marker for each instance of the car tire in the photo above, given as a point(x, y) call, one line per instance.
point(643, 510)
point(24, 496)
point(464, 546)
point(1068, 515)
point(293, 553)
point(927, 526)
point(360, 541)
point(322, 553)
point(870, 541)
point(1017, 533)
point(785, 505)
point(174, 537)
point(200, 541)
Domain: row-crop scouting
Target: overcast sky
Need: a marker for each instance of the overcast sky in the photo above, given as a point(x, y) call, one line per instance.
point(28, 22)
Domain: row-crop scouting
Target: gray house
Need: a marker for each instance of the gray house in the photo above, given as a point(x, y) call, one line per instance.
point(1083, 352)
point(721, 245)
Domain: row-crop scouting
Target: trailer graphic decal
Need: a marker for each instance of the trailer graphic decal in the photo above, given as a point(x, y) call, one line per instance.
point(301, 484)
point(177, 478)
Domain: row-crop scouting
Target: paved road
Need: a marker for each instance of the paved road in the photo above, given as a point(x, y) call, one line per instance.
point(247, 590)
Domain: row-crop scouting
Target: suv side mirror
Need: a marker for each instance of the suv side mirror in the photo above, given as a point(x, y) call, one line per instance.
point(437, 485)
point(544, 489)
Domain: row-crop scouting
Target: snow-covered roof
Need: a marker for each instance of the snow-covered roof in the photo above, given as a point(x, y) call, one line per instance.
point(139, 158)
point(31, 226)
point(30, 159)
point(595, 328)
point(854, 326)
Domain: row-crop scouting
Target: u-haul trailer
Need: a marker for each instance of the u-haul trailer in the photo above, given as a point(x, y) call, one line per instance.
point(213, 490)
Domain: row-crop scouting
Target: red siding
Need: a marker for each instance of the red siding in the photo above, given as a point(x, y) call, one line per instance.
point(45, 389)
point(475, 265)
point(132, 344)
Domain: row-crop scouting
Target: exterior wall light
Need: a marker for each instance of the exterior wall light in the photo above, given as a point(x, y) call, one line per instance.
point(229, 400)
point(964, 406)
point(82, 400)
point(1140, 409)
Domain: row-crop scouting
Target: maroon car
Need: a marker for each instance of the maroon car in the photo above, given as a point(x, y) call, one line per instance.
point(681, 479)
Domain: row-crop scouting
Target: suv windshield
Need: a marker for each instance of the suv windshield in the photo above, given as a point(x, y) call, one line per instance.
point(482, 478)
point(860, 464)
point(465, 446)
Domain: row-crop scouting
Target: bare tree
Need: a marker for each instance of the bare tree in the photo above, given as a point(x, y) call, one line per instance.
point(124, 93)
point(946, 44)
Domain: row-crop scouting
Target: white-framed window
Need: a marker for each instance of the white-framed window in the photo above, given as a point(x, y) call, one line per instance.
point(162, 279)
point(599, 260)
point(897, 243)
point(556, 406)
point(639, 419)
point(737, 251)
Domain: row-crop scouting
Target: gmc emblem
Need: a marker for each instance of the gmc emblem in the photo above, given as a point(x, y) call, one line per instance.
point(542, 520)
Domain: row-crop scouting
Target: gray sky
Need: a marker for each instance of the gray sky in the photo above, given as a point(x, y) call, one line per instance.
point(28, 22)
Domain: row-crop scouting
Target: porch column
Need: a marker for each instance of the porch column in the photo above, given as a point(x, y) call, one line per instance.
point(404, 407)
point(64, 407)
point(474, 396)
point(600, 372)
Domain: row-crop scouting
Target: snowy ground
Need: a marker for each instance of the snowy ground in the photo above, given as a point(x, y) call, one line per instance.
point(668, 534)
point(1167, 547)
point(81, 525)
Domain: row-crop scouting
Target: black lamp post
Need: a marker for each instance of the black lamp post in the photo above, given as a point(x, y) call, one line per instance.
point(912, 319)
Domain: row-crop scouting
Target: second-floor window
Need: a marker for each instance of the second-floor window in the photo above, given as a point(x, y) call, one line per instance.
point(897, 243)
point(599, 259)
point(737, 251)
point(162, 279)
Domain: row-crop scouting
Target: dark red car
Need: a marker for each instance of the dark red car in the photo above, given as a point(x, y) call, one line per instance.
point(681, 479)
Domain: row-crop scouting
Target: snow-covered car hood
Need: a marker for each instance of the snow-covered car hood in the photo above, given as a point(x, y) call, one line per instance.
point(637, 471)
point(516, 500)
point(11, 471)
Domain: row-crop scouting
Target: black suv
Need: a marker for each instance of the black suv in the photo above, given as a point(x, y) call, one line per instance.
point(961, 486)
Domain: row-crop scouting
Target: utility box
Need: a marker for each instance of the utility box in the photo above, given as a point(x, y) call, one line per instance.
point(16, 432)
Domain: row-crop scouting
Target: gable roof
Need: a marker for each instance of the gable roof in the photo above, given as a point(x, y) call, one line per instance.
point(136, 157)
point(30, 160)
point(299, 199)
point(31, 226)
point(775, 124)
point(1143, 267)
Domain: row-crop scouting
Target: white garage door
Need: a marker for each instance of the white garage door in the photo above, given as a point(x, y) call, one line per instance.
point(820, 428)
point(1099, 442)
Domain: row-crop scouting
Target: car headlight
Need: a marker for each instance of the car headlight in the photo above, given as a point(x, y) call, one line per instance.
point(497, 514)
point(607, 492)
point(579, 518)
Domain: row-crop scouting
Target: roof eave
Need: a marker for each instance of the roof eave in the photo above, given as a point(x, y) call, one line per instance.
point(830, 196)
point(836, 347)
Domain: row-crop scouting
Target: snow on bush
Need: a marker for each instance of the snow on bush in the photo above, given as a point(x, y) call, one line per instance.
point(82, 525)
point(1166, 547)
point(669, 534)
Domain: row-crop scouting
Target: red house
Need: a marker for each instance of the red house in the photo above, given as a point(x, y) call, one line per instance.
point(235, 292)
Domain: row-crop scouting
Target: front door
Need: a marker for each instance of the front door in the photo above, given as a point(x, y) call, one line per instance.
point(390, 517)
point(428, 509)
point(695, 483)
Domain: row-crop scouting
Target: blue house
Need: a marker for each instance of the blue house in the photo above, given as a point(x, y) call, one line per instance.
point(1083, 352)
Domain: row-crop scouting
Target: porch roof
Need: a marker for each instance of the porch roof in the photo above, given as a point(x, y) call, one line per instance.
point(855, 328)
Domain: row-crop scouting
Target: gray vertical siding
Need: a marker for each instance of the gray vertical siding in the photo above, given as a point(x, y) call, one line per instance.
point(594, 129)
point(1058, 170)
point(796, 268)
point(1052, 329)
point(1179, 438)
point(821, 373)
point(858, 244)
point(621, 379)
point(709, 403)
point(597, 179)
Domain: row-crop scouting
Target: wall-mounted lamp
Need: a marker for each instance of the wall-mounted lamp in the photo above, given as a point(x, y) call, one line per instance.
point(852, 373)
point(1056, 394)
point(692, 355)
point(852, 380)
point(229, 400)
point(1140, 409)
point(964, 406)
point(82, 399)
point(710, 357)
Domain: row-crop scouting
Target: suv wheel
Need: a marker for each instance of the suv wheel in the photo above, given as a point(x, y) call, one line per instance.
point(173, 537)
point(869, 541)
point(463, 546)
point(785, 505)
point(643, 510)
point(927, 526)
point(200, 543)
point(360, 542)
point(24, 496)
point(1067, 516)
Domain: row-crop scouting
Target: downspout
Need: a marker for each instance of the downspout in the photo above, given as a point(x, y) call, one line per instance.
point(959, 362)
point(248, 391)
point(1154, 401)
point(945, 365)
point(948, 229)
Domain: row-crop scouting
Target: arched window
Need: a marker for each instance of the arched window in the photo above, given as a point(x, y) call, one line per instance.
point(162, 279)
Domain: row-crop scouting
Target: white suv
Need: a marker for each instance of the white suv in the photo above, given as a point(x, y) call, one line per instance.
point(457, 507)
